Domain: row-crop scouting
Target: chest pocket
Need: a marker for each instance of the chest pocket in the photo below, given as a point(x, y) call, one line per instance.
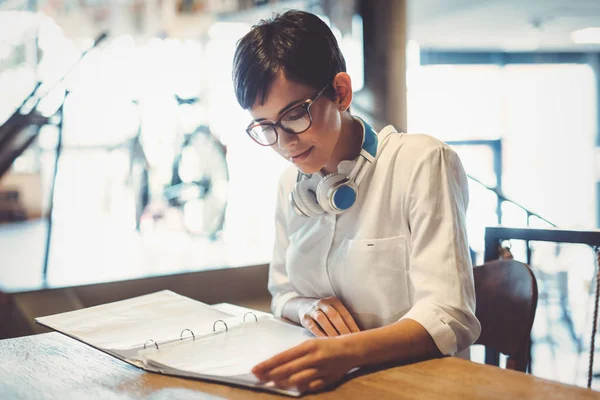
point(375, 276)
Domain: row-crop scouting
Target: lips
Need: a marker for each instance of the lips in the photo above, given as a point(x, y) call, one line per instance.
point(301, 156)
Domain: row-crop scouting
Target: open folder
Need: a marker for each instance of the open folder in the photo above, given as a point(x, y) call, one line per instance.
point(171, 334)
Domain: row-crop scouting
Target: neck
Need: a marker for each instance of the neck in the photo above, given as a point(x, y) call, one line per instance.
point(348, 145)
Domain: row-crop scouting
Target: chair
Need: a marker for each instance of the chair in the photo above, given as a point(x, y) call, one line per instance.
point(506, 292)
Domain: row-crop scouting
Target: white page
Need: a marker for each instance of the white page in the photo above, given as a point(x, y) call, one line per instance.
point(159, 316)
point(234, 309)
point(231, 354)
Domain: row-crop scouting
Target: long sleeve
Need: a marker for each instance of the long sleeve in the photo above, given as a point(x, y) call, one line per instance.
point(279, 284)
point(440, 268)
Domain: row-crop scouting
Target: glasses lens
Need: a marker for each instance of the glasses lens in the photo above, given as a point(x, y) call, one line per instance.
point(263, 134)
point(296, 120)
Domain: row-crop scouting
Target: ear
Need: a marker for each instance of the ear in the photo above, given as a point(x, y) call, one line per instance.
point(343, 90)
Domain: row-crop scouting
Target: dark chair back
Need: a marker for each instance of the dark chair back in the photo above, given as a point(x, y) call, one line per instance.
point(507, 297)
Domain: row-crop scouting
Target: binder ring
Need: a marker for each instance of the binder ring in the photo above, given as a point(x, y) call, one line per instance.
point(220, 320)
point(190, 331)
point(150, 340)
point(250, 312)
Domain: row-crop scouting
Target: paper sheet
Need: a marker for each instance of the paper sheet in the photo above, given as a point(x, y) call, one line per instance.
point(233, 353)
point(159, 316)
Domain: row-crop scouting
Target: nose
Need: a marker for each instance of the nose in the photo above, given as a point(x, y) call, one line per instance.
point(285, 139)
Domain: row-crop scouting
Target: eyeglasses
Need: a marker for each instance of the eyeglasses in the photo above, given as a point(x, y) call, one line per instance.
point(295, 120)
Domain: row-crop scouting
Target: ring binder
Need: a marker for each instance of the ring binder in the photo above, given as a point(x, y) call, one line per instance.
point(150, 340)
point(189, 330)
point(165, 353)
point(250, 312)
point(220, 320)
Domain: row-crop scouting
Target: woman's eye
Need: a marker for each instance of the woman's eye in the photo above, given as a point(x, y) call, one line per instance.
point(295, 114)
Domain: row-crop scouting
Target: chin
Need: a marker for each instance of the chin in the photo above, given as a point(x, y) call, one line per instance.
point(308, 169)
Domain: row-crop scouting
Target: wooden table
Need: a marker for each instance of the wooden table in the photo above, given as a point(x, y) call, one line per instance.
point(53, 366)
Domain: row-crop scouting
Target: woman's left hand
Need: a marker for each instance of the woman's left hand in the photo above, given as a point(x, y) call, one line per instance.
point(310, 366)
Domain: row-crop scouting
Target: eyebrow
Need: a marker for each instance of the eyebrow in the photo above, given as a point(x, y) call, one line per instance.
point(284, 109)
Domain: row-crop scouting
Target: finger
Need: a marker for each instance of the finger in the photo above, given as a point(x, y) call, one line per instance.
point(316, 385)
point(312, 326)
point(286, 371)
point(324, 323)
point(284, 384)
point(296, 352)
point(303, 378)
point(336, 320)
point(345, 314)
point(299, 380)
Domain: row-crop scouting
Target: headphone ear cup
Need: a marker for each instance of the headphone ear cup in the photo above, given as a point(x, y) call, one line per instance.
point(323, 188)
point(304, 199)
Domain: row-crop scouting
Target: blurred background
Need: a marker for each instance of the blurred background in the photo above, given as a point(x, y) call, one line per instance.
point(136, 165)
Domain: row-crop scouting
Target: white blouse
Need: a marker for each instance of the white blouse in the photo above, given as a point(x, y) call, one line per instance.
point(400, 252)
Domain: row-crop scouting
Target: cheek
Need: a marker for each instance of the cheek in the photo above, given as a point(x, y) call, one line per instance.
point(328, 128)
point(279, 151)
point(329, 119)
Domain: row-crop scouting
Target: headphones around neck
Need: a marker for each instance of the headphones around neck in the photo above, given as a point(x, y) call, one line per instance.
point(336, 192)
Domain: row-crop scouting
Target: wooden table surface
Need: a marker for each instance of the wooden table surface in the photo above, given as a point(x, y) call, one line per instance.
point(53, 366)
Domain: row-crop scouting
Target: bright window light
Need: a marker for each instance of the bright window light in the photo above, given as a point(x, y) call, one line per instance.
point(586, 36)
point(228, 30)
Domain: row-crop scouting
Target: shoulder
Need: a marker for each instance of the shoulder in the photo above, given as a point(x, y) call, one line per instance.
point(412, 149)
point(414, 146)
point(409, 153)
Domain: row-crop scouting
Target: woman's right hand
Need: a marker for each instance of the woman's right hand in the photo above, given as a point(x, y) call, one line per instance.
point(324, 317)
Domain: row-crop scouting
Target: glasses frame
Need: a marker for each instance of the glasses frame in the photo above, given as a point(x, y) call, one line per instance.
point(306, 105)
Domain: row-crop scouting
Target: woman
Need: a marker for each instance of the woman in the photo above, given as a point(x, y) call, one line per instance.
point(371, 250)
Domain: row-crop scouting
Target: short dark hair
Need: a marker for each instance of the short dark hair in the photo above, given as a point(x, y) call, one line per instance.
point(296, 42)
